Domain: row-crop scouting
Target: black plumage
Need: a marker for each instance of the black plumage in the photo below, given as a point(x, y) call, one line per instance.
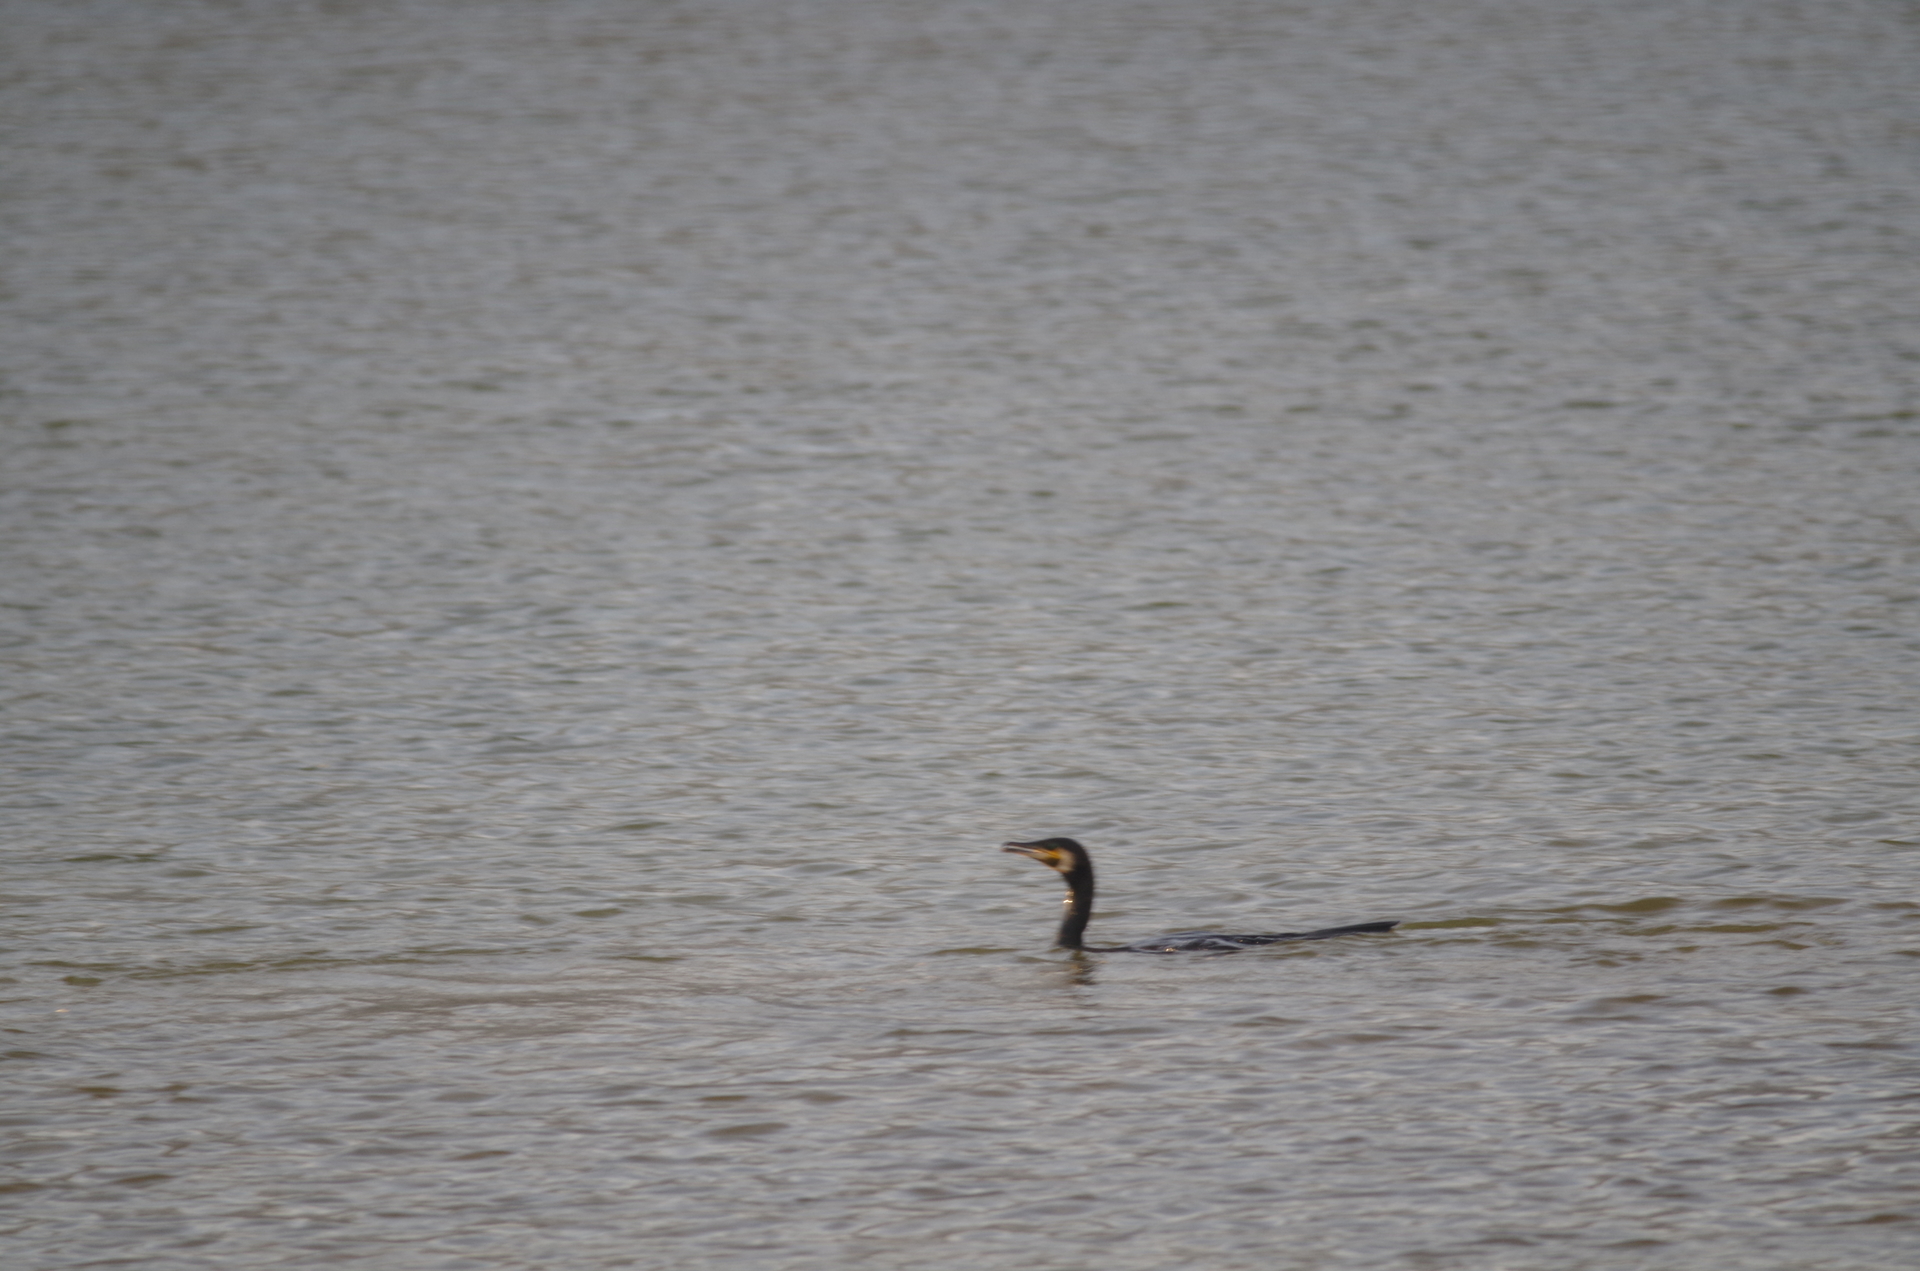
point(1073, 863)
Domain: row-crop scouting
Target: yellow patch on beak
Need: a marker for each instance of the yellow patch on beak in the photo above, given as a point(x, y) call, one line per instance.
point(1052, 857)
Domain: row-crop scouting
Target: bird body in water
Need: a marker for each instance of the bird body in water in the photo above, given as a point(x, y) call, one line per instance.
point(1071, 861)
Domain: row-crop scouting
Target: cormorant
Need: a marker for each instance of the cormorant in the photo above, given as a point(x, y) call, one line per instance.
point(1072, 862)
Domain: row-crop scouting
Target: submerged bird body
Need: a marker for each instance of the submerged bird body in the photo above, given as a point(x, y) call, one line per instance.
point(1071, 861)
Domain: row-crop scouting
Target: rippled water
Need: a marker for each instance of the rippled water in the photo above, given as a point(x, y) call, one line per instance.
point(549, 544)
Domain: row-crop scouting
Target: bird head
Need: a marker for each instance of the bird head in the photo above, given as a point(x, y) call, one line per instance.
point(1063, 855)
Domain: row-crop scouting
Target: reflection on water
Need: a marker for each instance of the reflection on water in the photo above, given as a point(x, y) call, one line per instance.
point(550, 544)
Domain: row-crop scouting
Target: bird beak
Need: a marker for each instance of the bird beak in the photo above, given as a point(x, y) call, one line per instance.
point(1052, 858)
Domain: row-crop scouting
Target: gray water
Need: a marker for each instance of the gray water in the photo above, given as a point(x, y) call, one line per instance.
point(548, 544)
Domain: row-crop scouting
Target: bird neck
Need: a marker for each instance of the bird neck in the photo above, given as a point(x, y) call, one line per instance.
point(1079, 906)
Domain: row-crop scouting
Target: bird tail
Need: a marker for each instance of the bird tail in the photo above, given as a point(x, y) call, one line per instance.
point(1358, 928)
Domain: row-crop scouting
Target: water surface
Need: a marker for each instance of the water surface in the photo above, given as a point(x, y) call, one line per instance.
point(548, 545)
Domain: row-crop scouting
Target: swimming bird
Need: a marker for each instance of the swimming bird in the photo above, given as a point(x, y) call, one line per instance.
point(1072, 862)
